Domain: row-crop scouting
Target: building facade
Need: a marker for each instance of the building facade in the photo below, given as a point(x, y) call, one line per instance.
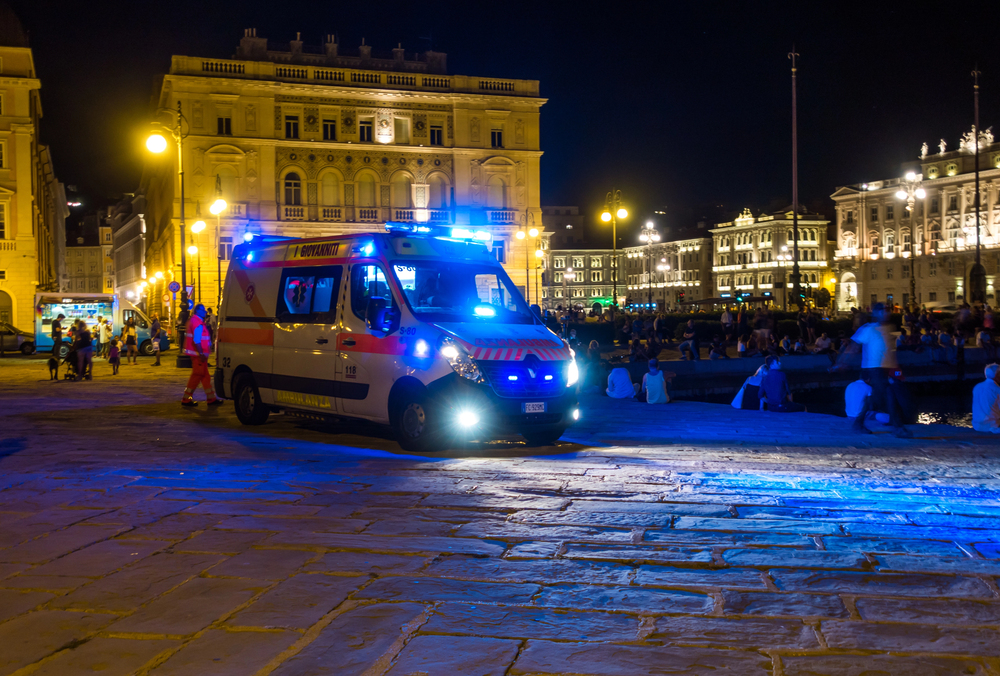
point(913, 238)
point(128, 239)
point(665, 274)
point(32, 202)
point(85, 266)
point(579, 277)
point(308, 141)
point(753, 256)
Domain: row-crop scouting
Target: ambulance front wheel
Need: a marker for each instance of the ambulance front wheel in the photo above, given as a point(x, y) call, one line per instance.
point(146, 349)
point(414, 423)
point(249, 408)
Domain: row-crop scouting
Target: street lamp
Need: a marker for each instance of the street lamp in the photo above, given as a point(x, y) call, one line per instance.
point(193, 251)
point(198, 227)
point(613, 210)
point(910, 190)
point(539, 254)
point(218, 206)
point(649, 235)
point(526, 233)
point(157, 143)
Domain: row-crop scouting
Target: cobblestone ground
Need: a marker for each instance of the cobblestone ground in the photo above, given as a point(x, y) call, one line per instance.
point(138, 537)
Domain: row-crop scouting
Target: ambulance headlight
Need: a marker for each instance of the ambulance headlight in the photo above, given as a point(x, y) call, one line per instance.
point(460, 361)
point(468, 418)
point(573, 372)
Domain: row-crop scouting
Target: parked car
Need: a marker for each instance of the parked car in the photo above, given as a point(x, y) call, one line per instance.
point(12, 338)
point(948, 308)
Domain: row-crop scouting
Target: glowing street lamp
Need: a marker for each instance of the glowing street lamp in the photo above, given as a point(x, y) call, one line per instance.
point(218, 206)
point(649, 235)
point(527, 234)
point(613, 210)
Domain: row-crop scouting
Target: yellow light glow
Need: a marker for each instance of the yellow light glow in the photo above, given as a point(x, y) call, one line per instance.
point(533, 232)
point(192, 250)
point(198, 226)
point(911, 176)
point(539, 253)
point(520, 234)
point(606, 216)
point(159, 275)
point(156, 143)
point(622, 213)
point(218, 206)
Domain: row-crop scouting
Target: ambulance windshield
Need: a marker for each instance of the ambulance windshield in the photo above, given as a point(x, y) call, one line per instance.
point(443, 291)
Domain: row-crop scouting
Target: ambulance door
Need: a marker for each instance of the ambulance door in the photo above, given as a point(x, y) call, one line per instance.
point(305, 339)
point(366, 364)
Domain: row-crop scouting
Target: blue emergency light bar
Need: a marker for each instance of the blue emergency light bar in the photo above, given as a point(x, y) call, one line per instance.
point(440, 231)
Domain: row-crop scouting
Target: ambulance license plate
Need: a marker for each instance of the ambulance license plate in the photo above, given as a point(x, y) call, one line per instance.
point(534, 407)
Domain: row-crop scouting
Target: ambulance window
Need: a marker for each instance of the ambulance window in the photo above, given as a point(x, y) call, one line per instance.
point(310, 293)
point(368, 281)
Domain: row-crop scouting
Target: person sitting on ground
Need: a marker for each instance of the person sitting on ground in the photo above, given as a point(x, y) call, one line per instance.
point(856, 397)
point(741, 347)
point(620, 385)
point(822, 345)
point(637, 352)
point(986, 402)
point(654, 384)
point(718, 349)
point(748, 398)
point(798, 347)
point(776, 390)
point(985, 342)
point(690, 343)
point(902, 341)
point(785, 346)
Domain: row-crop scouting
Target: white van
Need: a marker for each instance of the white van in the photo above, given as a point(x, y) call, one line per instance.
point(419, 328)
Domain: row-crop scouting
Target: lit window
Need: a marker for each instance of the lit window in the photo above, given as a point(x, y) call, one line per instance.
point(437, 135)
point(329, 130)
point(293, 189)
point(291, 126)
point(365, 131)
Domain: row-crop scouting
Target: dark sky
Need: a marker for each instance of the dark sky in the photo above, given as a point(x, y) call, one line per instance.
point(682, 104)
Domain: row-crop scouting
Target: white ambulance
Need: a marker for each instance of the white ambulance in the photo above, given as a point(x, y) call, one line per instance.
point(418, 327)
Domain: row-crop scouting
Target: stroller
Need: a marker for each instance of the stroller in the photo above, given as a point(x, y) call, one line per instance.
point(71, 364)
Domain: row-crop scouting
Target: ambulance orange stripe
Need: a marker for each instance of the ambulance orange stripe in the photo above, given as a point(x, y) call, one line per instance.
point(255, 307)
point(247, 336)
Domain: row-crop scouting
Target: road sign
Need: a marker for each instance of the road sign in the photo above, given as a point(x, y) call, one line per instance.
point(174, 286)
point(166, 298)
point(190, 290)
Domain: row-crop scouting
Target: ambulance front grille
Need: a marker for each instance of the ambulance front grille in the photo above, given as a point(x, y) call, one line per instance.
point(527, 378)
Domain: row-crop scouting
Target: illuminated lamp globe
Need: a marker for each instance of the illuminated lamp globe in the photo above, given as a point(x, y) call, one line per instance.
point(533, 232)
point(622, 213)
point(159, 275)
point(606, 216)
point(156, 143)
point(520, 234)
point(921, 193)
point(539, 253)
point(192, 250)
point(198, 226)
point(911, 176)
point(218, 206)
point(901, 194)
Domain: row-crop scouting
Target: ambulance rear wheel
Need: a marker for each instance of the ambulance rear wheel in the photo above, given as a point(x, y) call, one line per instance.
point(544, 437)
point(146, 349)
point(415, 425)
point(246, 397)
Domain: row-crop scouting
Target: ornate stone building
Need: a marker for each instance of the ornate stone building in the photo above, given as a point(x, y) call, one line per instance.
point(32, 202)
point(753, 255)
point(308, 141)
point(914, 237)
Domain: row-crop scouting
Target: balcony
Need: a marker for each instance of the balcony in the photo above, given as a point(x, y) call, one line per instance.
point(330, 213)
point(238, 210)
point(368, 215)
point(291, 213)
point(502, 216)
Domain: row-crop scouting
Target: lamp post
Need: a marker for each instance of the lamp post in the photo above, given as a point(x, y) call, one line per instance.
point(977, 275)
point(538, 284)
point(568, 276)
point(796, 276)
point(526, 233)
point(198, 227)
point(218, 206)
point(664, 268)
point(782, 257)
point(910, 191)
point(649, 235)
point(156, 143)
point(613, 210)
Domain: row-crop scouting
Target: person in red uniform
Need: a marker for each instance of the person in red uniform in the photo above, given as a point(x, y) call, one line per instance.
point(198, 344)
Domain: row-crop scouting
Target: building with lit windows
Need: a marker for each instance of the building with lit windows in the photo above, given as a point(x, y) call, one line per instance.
point(128, 225)
point(309, 141)
point(32, 202)
point(680, 271)
point(578, 277)
point(914, 237)
point(753, 255)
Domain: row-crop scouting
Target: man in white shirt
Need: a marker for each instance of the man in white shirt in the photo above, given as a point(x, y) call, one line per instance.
point(878, 362)
point(620, 385)
point(986, 402)
point(855, 398)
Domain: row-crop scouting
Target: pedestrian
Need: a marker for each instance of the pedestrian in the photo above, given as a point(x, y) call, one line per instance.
point(654, 384)
point(727, 324)
point(98, 338)
point(57, 332)
point(986, 402)
point(131, 341)
point(985, 342)
point(717, 350)
point(878, 362)
point(690, 343)
point(84, 345)
point(198, 345)
point(104, 329)
point(114, 356)
point(212, 324)
point(776, 391)
point(637, 352)
point(154, 335)
point(822, 345)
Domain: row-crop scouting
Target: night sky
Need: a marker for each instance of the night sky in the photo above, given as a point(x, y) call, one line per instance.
point(683, 105)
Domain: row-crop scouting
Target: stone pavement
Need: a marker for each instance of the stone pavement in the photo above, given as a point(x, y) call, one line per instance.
point(141, 538)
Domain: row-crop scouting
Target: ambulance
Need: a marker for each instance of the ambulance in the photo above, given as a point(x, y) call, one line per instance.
point(418, 328)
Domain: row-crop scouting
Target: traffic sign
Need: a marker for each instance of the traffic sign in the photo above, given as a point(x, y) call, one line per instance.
point(166, 298)
point(190, 290)
point(174, 286)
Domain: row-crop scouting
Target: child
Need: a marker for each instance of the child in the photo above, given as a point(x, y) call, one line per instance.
point(113, 356)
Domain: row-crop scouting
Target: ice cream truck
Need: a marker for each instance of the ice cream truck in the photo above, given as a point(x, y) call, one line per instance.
point(88, 307)
point(418, 327)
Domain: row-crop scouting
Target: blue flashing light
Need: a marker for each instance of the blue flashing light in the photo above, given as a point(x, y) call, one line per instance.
point(724, 295)
point(512, 378)
point(421, 348)
point(548, 377)
point(368, 249)
point(484, 310)
point(247, 236)
point(249, 258)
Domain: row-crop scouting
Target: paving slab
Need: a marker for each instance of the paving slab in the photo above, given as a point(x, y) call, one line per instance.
point(631, 599)
point(31, 637)
point(107, 656)
point(435, 589)
point(872, 665)
point(226, 653)
point(14, 602)
point(455, 655)
point(297, 603)
point(520, 622)
point(557, 570)
point(929, 611)
point(263, 564)
point(665, 576)
point(920, 638)
point(367, 562)
point(756, 633)
point(887, 584)
point(791, 605)
point(603, 659)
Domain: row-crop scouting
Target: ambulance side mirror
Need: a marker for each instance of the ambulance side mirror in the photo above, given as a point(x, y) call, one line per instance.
point(381, 318)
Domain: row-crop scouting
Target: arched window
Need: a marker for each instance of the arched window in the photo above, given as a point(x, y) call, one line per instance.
point(890, 239)
point(496, 197)
point(6, 307)
point(439, 197)
point(401, 191)
point(293, 189)
point(331, 189)
point(848, 238)
point(366, 190)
